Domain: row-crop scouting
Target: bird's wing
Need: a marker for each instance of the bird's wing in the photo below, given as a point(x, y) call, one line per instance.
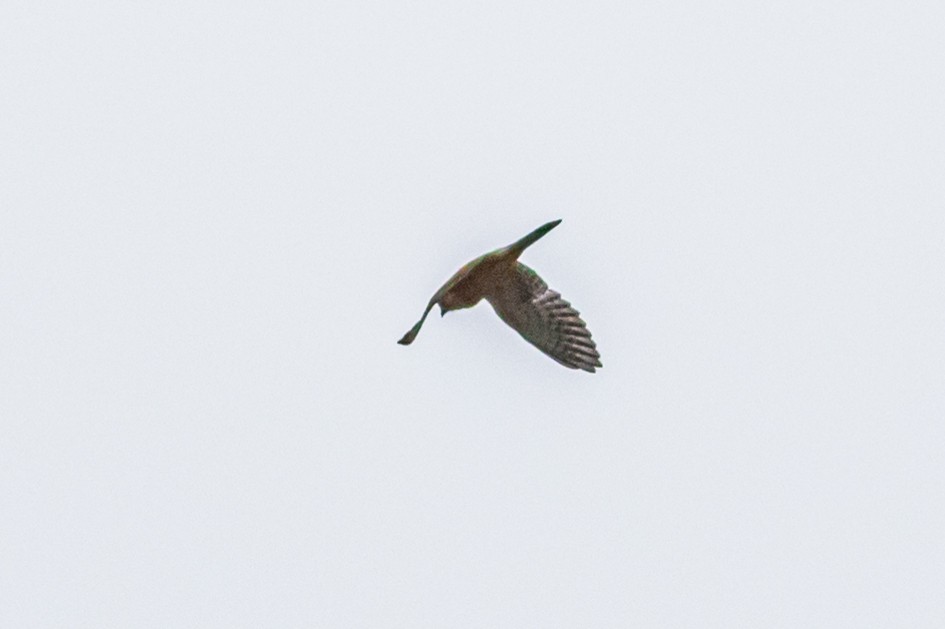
point(544, 319)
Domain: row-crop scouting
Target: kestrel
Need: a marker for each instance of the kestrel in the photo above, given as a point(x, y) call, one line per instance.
point(522, 300)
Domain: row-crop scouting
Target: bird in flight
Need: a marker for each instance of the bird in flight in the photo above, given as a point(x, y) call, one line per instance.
point(522, 300)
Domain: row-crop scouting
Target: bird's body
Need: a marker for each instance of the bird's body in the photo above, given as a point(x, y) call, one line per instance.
point(522, 300)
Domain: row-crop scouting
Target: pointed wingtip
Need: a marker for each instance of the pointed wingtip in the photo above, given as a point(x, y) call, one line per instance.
point(547, 227)
point(411, 334)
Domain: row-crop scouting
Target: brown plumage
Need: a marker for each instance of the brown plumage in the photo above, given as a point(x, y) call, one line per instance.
point(522, 300)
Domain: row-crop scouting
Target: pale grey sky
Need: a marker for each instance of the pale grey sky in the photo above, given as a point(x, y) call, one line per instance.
point(216, 219)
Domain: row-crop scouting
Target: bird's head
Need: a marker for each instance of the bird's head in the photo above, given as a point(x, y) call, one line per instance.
point(447, 303)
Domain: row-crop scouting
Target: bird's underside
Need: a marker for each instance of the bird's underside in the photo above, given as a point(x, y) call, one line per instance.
point(521, 299)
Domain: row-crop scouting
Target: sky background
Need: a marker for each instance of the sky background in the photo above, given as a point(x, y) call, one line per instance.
point(217, 218)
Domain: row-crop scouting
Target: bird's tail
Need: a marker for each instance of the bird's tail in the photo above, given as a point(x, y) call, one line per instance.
point(519, 246)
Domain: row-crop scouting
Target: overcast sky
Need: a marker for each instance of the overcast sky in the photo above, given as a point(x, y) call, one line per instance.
point(217, 218)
